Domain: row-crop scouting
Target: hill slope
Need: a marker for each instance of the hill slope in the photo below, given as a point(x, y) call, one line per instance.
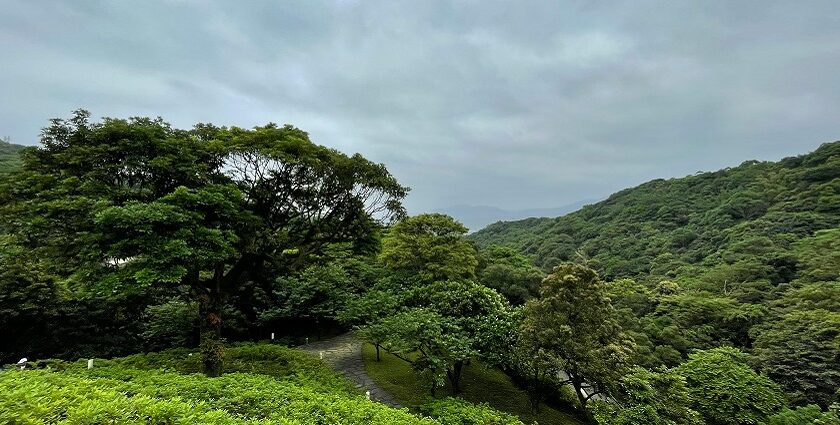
point(9, 156)
point(747, 217)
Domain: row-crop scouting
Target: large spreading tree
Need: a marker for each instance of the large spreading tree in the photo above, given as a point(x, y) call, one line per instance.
point(119, 204)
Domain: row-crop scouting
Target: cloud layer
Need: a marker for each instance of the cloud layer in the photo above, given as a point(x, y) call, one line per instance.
point(510, 104)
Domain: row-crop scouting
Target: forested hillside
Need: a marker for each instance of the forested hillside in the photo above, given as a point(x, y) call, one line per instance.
point(757, 218)
point(9, 156)
point(746, 256)
point(712, 299)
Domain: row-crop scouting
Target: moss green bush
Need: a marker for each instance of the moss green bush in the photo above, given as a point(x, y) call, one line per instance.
point(115, 394)
point(453, 411)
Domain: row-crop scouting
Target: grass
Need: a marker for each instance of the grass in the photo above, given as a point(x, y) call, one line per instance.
point(480, 385)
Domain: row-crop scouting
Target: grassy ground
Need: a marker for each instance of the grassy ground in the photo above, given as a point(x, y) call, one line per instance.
point(480, 385)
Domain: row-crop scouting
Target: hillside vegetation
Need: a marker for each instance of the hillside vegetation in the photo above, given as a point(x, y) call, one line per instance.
point(751, 216)
point(9, 156)
point(710, 299)
point(746, 256)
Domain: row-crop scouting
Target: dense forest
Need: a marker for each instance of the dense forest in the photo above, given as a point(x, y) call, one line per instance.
point(710, 299)
point(747, 256)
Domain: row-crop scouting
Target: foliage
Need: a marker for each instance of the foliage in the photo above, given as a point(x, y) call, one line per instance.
point(646, 397)
point(43, 395)
point(442, 325)
point(482, 384)
point(431, 246)
point(661, 228)
point(510, 273)
point(9, 156)
point(716, 259)
point(819, 256)
point(171, 324)
point(573, 323)
point(725, 390)
point(267, 384)
point(137, 203)
point(453, 411)
point(800, 351)
point(807, 415)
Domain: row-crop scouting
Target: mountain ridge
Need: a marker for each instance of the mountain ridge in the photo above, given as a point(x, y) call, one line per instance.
point(691, 220)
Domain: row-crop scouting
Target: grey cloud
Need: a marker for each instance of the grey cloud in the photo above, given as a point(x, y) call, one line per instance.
point(511, 104)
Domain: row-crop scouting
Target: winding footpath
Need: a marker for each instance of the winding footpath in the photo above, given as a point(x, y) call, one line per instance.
point(344, 354)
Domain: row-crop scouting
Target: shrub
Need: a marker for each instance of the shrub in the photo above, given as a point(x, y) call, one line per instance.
point(114, 393)
point(453, 411)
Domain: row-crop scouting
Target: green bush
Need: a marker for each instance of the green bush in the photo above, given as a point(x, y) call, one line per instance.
point(263, 359)
point(38, 397)
point(453, 411)
point(808, 415)
point(114, 393)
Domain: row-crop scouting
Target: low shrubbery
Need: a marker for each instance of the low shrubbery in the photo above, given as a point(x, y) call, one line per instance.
point(263, 359)
point(453, 411)
point(266, 384)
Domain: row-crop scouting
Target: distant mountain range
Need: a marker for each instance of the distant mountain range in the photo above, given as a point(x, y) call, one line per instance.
point(476, 217)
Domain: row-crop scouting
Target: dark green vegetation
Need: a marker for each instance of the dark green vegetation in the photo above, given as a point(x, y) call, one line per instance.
point(747, 257)
point(134, 206)
point(711, 299)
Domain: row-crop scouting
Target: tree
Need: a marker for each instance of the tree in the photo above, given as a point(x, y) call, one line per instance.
point(574, 322)
point(431, 246)
point(801, 351)
point(367, 312)
point(539, 371)
point(725, 390)
point(444, 325)
point(646, 397)
point(820, 256)
point(510, 273)
point(136, 202)
point(434, 345)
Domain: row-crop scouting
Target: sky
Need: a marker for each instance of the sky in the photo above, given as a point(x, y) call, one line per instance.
point(511, 104)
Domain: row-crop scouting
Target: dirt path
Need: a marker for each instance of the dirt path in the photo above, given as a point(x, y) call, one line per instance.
point(344, 354)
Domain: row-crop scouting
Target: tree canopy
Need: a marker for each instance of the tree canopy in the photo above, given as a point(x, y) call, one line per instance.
point(136, 203)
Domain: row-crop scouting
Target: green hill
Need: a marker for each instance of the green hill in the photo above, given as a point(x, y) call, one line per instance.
point(747, 256)
point(9, 156)
point(750, 217)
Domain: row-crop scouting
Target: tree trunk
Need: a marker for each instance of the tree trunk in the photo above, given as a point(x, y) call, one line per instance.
point(210, 310)
point(578, 385)
point(454, 376)
point(377, 352)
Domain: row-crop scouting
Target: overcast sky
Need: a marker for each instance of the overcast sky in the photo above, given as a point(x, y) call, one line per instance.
point(513, 104)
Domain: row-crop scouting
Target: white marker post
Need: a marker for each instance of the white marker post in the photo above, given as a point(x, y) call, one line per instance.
point(321, 355)
point(367, 394)
point(272, 336)
point(90, 363)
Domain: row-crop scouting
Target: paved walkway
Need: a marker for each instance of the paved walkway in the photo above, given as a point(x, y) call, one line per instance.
point(344, 354)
